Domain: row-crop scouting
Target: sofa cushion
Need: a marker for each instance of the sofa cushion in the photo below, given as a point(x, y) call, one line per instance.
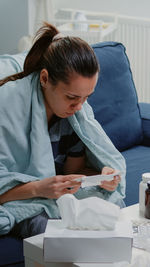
point(137, 160)
point(115, 100)
point(145, 115)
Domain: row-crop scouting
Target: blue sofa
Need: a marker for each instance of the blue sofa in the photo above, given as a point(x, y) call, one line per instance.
point(116, 107)
point(125, 121)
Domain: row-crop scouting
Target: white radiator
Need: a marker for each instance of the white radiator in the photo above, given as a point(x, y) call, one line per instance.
point(134, 33)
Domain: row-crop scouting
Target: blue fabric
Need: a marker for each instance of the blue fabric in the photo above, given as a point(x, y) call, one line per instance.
point(65, 142)
point(145, 110)
point(138, 162)
point(22, 264)
point(26, 153)
point(31, 226)
point(115, 100)
point(11, 251)
point(145, 115)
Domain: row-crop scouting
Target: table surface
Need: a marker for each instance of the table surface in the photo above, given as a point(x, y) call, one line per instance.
point(35, 244)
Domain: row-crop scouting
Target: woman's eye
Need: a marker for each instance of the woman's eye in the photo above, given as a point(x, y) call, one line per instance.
point(70, 97)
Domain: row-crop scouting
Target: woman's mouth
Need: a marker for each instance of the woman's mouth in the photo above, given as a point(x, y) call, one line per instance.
point(70, 114)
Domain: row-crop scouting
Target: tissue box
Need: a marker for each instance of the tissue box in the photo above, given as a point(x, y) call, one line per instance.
point(65, 245)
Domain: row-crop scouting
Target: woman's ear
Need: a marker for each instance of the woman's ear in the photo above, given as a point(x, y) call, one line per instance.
point(44, 78)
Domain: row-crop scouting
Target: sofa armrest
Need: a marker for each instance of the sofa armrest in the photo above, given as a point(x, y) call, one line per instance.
point(145, 116)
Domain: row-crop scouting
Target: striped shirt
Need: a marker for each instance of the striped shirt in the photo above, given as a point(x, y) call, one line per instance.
point(65, 142)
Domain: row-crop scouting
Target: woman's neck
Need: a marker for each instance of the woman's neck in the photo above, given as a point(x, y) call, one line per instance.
point(49, 114)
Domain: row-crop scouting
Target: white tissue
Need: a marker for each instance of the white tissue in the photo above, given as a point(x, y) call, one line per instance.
point(91, 213)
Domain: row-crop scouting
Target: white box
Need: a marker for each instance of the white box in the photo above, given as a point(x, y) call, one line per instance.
point(65, 245)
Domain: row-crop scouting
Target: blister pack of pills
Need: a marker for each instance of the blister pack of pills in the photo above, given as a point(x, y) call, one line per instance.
point(141, 234)
point(96, 179)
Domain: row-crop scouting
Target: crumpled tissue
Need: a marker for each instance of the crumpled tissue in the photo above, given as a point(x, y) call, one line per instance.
point(91, 213)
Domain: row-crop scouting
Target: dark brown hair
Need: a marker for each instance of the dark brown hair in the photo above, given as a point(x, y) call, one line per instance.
point(60, 57)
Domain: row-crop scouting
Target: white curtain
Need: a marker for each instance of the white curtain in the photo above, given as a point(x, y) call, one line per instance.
point(39, 11)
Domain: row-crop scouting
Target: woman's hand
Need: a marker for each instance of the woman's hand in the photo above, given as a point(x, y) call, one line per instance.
point(56, 186)
point(110, 185)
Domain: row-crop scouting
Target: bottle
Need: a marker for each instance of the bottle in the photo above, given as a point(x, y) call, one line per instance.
point(142, 188)
point(147, 201)
point(80, 21)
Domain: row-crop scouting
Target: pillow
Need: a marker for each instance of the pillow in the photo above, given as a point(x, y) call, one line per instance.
point(10, 64)
point(114, 102)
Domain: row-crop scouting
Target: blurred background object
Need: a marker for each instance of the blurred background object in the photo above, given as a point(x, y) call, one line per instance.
point(94, 21)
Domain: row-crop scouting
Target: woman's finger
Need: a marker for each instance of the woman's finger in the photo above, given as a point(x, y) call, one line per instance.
point(110, 185)
point(59, 187)
point(70, 190)
point(117, 178)
point(71, 177)
point(74, 190)
point(107, 170)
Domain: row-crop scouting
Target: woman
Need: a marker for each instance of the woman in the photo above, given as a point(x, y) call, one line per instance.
point(47, 133)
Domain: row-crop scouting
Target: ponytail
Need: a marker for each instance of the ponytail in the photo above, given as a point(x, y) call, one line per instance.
point(13, 77)
point(33, 60)
point(43, 39)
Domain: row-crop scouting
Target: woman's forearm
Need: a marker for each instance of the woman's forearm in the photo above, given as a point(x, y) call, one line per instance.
point(20, 192)
point(51, 187)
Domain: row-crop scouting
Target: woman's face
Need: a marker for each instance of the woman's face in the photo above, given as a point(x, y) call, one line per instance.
point(63, 99)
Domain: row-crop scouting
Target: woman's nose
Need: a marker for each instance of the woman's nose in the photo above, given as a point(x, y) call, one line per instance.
point(79, 106)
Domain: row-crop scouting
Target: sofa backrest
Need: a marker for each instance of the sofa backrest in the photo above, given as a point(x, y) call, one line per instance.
point(115, 102)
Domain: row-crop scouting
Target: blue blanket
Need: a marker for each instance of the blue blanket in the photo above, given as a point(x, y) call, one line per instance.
point(26, 152)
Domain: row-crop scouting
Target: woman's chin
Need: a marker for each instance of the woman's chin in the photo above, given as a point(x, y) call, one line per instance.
point(65, 115)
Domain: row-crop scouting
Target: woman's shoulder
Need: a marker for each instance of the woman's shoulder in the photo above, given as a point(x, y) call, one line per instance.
point(18, 92)
point(18, 84)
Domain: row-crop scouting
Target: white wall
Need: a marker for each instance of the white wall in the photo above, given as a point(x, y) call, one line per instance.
point(126, 7)
point(16, 15)
point(13, 24)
